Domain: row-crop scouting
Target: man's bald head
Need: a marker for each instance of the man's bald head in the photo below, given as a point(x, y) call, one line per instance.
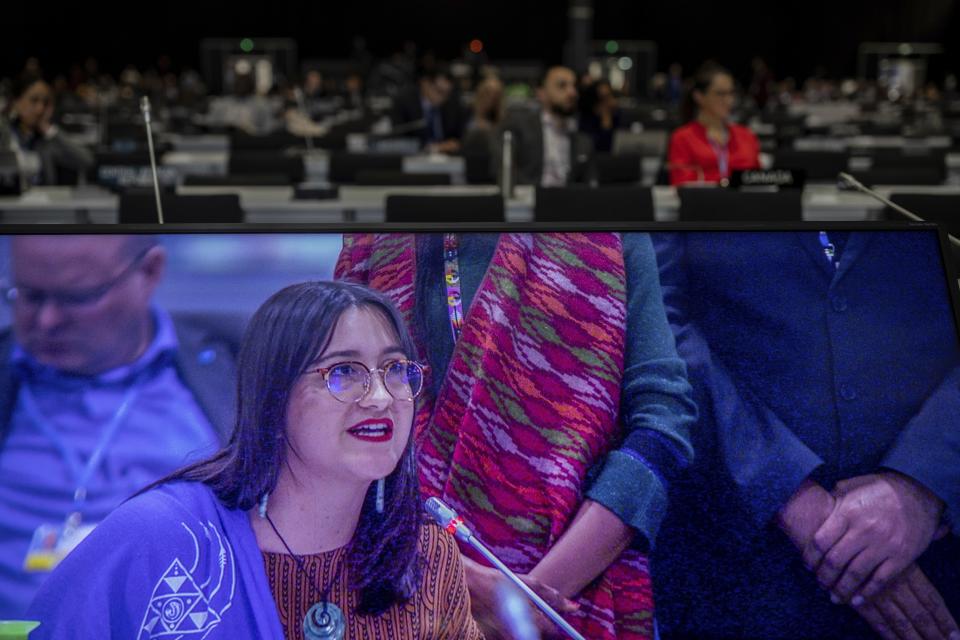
point(82, 303)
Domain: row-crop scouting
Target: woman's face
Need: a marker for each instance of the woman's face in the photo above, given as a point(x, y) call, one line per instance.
point(350, 442)
point(717, 100)
point(32, 104)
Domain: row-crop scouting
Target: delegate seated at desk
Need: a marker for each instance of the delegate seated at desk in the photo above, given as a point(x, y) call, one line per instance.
point(433, 109)
point(27, 129)
point(709, 148)
point(547, 149)
point(101, 391)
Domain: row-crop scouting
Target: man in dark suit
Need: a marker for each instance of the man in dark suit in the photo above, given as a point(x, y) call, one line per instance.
point(433, 109)
point(827, 372)
point(548, 151)
point(101, 393)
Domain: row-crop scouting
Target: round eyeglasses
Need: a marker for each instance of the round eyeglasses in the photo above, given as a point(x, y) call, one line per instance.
point(350, 381)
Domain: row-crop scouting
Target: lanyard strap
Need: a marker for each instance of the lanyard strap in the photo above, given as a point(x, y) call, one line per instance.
point(829, 249)
point(723, 157)
point(451, 280)
point(82, 474)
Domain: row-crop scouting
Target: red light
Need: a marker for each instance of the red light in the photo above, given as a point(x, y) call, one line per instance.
point(476, 46)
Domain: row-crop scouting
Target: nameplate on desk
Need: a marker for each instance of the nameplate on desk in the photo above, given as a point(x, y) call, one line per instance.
point(119, 176)
point(782, 178)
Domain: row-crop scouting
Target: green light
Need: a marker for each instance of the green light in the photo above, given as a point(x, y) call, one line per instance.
point(612, 46)
point(246, 45)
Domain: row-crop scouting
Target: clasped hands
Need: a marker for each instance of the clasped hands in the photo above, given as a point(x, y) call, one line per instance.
point(862, 540)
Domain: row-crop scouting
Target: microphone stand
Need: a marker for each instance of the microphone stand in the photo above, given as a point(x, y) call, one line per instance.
point(449, 520)
point(145, 110)
point(859, 186)
point(302, 105)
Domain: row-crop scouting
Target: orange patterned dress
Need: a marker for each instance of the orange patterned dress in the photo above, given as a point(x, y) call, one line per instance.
point(439, 610)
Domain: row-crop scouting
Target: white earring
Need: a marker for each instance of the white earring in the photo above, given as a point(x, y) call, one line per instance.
point(262, 509)
point(381, 488)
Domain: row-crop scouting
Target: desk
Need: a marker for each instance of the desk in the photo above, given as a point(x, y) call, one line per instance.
point(53, 205)
point(214, 162)
point(366, 204)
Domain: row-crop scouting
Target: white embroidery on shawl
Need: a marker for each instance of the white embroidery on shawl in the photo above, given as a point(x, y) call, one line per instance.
point(180, 607)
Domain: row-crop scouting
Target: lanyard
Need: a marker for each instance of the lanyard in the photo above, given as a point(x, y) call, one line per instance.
point(829, 249)
point(723, 157)
point(451, 280)
point(81, 474)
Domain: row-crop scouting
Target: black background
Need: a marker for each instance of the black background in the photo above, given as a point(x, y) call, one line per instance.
point(797, 38)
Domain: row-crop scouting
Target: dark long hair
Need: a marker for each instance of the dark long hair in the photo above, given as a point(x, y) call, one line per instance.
point(701, 81)
point(283, 338)
point(21, 84)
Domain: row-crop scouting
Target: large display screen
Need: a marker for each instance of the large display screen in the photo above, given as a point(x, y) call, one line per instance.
point(758, 411)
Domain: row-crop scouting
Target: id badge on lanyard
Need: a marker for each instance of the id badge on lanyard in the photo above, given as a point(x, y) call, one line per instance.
point(52, 542)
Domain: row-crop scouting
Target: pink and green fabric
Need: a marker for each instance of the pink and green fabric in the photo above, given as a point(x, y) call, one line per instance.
point(530, 401)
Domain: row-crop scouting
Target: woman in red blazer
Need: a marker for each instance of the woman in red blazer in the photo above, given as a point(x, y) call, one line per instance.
point(709, 148)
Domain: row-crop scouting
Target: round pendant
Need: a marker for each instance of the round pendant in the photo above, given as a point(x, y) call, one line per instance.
point(324, 621)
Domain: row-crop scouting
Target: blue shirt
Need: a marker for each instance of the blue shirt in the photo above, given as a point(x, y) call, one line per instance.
point(164, 429)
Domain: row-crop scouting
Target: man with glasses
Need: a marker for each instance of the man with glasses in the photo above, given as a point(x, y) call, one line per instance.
point(101, 392)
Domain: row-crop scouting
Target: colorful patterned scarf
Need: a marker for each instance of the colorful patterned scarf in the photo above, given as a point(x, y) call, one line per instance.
point(530, 401)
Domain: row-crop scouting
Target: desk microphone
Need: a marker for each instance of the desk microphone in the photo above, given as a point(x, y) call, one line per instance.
point(506, 166)
point(400, 129)
point(145, 110)
point(449, 520)
point(302, 105)
point(859, 186)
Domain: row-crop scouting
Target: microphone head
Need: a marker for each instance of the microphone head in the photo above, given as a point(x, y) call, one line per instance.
point(849, 180)
point(515, 613)
point(439, 511)
point(446, 518)
point(145, 108)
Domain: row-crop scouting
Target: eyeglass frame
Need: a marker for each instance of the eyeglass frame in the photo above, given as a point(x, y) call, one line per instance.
point(325, 372)
point(11, 294)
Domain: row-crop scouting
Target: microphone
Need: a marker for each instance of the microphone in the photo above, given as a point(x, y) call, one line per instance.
point(506, 166)
point(453, 523)
point(859, 186)
point(400, 129)
point(514, 613)
point(145, 110)
point(302, 105)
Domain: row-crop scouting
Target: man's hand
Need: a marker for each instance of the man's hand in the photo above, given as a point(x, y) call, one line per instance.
point(805, 512)
point(910, 608)
point(880, 524)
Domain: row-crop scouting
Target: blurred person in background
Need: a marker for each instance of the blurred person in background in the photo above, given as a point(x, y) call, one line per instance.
point(599, 114)
point(760, 83)
point(675, 83)
point(245, 109)
point(487, 104)
point(432, 108)
point(709, 148)
point(27, 129)
point(487, 115)
point(548, 149)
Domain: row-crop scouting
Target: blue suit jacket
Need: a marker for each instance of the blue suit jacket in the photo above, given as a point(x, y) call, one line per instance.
point(800, 369)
